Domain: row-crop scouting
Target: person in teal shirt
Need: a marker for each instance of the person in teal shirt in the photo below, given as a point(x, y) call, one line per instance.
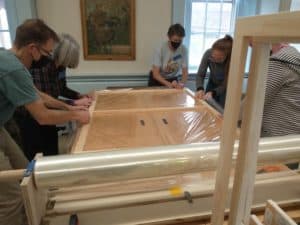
point(16, 87)
point(33, 40)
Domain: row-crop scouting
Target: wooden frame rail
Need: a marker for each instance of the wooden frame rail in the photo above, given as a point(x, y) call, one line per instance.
point(262, 31)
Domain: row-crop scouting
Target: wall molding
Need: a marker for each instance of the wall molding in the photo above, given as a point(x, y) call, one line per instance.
point(86, 83)
point(110, 78)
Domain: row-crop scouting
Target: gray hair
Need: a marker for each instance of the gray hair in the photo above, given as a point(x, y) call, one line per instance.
point(66, 53)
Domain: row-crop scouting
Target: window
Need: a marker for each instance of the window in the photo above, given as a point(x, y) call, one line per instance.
point(295, 5)
point(208, 21)
point(5, 40)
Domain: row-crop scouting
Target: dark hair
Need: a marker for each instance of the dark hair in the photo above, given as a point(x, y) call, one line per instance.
point(33, 31)
point(176, 29)
point(225, 45)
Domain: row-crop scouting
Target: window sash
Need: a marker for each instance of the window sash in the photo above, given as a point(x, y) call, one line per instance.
point(206, 33)
point(214, 1)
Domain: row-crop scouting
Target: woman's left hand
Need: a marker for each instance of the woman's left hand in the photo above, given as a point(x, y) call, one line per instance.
point(77, 108)
point(208, 95)
point(85, 101)
point(90, 95)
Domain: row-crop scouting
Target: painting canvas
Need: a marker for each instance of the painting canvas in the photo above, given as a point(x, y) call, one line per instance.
point(108, 29)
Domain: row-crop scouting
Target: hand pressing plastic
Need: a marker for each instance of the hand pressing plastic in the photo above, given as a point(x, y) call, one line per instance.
point(200, 94)
point(177, 85)
point(83, 117)
point(77, 108)
point(84, 101)
point(208, 95)
point(90, 95)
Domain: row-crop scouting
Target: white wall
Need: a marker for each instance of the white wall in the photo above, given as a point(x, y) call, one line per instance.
point(153, 17)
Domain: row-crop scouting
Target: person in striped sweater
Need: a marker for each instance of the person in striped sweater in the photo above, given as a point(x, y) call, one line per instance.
point(281, 114)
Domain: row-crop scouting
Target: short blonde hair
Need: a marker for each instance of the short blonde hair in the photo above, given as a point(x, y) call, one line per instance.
point(67, 52)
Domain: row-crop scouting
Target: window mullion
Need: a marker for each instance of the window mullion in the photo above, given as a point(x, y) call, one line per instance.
point(221, 15)
point(204, 33)
point(205, 27)
point(233, 14)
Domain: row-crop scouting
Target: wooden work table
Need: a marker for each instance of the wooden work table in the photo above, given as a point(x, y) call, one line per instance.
point(144, 118)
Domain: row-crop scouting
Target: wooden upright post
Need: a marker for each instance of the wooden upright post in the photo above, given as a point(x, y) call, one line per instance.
point(231, 114)
point(263, 30)
point(248, 147)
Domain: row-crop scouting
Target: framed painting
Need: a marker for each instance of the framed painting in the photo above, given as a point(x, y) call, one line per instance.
point(108, 28)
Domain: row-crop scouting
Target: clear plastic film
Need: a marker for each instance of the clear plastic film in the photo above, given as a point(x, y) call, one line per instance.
point(143, 99)
point(180, 139)
point(146, 129)
point(146, 118)
point(201, 126)
point(142, 163)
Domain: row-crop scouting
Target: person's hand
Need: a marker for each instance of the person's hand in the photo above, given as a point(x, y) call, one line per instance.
point(181, 85)
point(208, 95)
point(83, 117)
point(174, 84)
point(85, 101)
point(90, 95)
point(77, 108)
point(200, 94)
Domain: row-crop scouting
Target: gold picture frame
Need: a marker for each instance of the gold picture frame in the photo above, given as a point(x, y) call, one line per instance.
point(108, 29)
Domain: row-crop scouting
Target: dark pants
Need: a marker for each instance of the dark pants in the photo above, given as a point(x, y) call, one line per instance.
point(37, 138)
point(220, 99)
point(153, 82)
